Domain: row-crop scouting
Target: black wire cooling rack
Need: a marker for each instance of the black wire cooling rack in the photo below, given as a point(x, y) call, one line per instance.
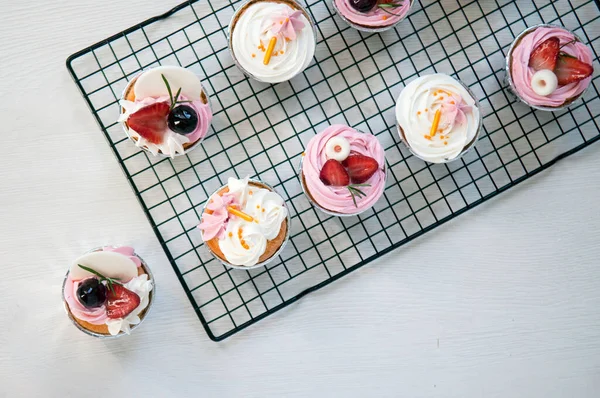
point(260, 130)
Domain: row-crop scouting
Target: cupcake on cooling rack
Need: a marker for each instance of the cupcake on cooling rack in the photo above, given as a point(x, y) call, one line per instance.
point(166, 111)
point(438, 118)
point(272, 40)
point(548, 67)
point(108, 291)
point(343, 171)
point(245, 223)
point(372, 15)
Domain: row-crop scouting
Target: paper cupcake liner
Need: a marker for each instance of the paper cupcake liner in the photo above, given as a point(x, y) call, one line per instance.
point(467, 147)
point(236, 15)
point(132, 327)
point(279, 250)
point(364, 28)
point(511, 85)
point(160, 154)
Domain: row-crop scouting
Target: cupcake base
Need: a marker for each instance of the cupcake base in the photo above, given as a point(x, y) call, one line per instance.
point(273, 245)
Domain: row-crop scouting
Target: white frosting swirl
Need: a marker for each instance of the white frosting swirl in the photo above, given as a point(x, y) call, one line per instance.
point(245, 248)
point(267, 208)
point(459, 122)
point(253, 32)
point(245, 241)
point(141, 286)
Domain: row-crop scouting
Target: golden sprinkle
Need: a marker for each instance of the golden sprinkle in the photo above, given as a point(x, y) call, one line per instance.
point(253, 55)
point(445, 142)
point(263, 210)
point(231, 234)
point(250, 192)
point(270, 50)
point(239, 213)
point(384, 17)
point(436, 122)
point(419, 113)
point(258, 206)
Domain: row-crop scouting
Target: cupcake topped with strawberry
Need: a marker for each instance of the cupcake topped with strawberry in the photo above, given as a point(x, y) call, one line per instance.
point(549, 67)
point(372, 15)
point(107, 291)
point(343, 170)
point(166, 111)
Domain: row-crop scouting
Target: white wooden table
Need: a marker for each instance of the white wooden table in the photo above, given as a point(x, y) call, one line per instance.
point(502, 302)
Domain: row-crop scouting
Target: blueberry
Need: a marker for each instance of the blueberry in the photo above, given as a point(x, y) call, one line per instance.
point(91, 293)
point(183, 119)
point(363, 5)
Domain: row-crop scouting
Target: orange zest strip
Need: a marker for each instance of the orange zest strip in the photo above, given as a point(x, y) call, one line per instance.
point(240, 214)
point(270, 50)
point(436, 122)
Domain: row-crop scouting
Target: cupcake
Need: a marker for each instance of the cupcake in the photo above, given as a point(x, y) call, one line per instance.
point(438, 118)
point(108, 291)
point(548, 67)
point(272, 40)
point(245, 223)
point(165, 111)
point(343, 171)
point(372, 15)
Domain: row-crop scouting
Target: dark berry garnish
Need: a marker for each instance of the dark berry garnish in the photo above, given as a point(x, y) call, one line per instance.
point(363, 5)
point(91, 293)
point(183, 119)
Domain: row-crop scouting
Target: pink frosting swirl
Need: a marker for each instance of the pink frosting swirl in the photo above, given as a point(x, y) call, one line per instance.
point(214, 224)
point(521, 73)
point(375, 18)
point(95, 316)
point(339, 199)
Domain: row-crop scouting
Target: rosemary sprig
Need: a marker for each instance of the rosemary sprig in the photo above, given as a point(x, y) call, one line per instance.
point(355, 191)
point(174, 100)
point(393, 4)
point(109, 281)
point(567, 43)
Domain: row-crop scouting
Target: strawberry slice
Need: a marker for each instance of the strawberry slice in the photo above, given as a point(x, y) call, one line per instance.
point(570, 70)
point(333, 173)
point(545, 55)
point(360, 167)
point(121, 301)
point(150, 122)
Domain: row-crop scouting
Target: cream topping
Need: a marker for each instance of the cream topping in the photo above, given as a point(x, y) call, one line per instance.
point(459, 121)
point(253, 32)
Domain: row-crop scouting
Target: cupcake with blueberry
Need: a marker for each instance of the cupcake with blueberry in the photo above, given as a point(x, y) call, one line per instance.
point(343, 170)
point(549, 67)
point(372, 15)
point(438, 118)
point(166, 111)
point(108, 291)
point(245, 224)
point(272, 40)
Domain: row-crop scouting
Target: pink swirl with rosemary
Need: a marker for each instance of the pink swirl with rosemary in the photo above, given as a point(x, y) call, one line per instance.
point(522, 74)
point(339, 199)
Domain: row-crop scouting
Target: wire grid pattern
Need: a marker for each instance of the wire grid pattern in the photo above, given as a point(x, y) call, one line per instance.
point(260, 130)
